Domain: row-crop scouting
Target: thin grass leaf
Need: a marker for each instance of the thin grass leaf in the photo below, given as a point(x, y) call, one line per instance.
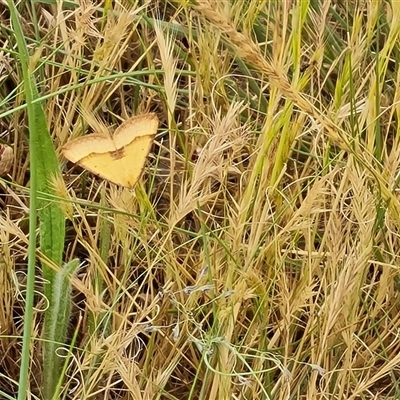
point(44, 168)
point(58, 318)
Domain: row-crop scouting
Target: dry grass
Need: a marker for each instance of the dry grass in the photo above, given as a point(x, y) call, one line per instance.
point(257, 258)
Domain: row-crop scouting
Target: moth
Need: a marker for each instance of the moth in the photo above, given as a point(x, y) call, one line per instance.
point(119, 158)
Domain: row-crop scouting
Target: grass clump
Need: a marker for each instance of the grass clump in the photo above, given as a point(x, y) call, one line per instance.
point(257, 256)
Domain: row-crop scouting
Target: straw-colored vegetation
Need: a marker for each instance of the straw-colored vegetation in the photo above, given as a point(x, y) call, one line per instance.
point(257, 257)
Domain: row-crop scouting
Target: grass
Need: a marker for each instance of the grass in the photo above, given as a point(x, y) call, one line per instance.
point(257, 256)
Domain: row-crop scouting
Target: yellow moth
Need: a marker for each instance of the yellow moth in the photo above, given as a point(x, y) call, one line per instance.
point(119, 158)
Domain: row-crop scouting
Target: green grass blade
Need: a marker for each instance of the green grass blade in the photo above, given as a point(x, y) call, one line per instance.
point(43, 169)
point(57, 325)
